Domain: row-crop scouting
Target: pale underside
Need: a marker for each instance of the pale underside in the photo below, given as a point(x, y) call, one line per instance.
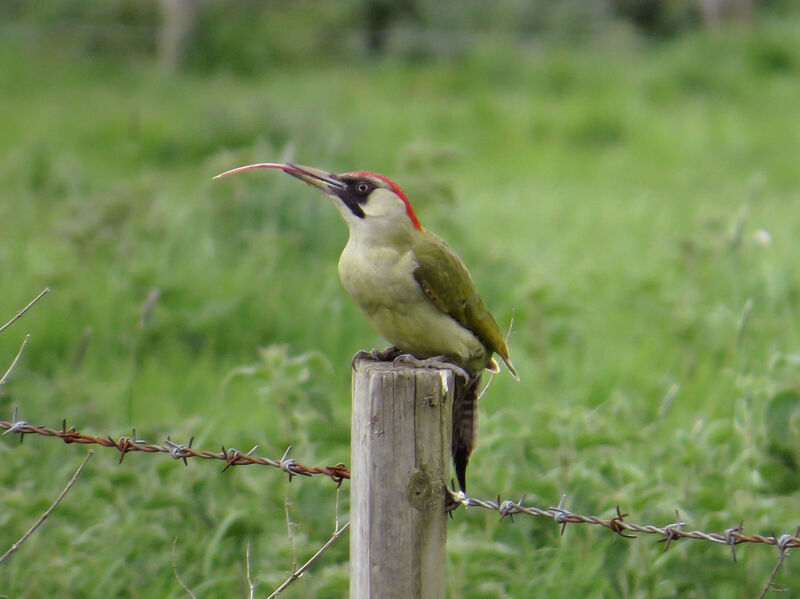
point(397, 307)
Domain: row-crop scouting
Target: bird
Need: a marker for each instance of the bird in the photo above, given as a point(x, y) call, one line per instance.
point(413, 289)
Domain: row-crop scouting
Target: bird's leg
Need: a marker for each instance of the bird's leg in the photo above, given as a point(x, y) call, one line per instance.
point(390, 353)
point(438, 362)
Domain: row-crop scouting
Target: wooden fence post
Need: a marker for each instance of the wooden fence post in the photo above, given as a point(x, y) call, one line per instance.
point(400, 464)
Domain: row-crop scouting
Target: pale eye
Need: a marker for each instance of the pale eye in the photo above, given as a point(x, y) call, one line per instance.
point(362, 187)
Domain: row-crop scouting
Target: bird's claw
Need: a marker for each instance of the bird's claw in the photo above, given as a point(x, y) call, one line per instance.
point(454, 499)
point(398, 357)
point(390, 353)
point(438, 362)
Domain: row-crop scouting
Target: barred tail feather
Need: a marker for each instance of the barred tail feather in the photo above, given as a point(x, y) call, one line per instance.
point(465, 425)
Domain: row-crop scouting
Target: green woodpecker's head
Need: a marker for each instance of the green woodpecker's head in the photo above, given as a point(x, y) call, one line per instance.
point(366, 201)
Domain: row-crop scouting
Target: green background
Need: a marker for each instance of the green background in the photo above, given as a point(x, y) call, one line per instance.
point(626, 189)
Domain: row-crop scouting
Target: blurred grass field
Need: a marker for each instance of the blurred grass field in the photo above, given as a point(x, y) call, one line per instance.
point(622, 201)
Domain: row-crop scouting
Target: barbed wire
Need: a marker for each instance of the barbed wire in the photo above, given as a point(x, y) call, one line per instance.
point(178, 451)
point(506, 508)
point(671, 532)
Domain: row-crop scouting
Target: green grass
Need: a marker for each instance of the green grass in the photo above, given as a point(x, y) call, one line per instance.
point(606, 196)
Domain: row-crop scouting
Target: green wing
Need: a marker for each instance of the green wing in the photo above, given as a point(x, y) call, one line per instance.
point(446, 281)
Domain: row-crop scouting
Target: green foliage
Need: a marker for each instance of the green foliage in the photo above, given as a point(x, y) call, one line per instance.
point(659, 17)
point(633, 207)
point(250, 37)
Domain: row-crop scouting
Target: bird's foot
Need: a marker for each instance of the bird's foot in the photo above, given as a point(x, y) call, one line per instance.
point(437, 362)
point(390, 353)
point(454, 499)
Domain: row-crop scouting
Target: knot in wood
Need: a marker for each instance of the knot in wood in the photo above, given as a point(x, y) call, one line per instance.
point(420, 490)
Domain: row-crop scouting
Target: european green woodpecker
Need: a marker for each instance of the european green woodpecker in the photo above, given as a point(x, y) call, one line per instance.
point(413, 289)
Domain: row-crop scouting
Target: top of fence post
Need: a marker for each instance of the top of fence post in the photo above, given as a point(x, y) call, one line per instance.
point(399, 469)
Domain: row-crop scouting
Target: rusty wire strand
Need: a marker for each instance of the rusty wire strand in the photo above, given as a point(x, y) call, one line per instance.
point(617, 524)
point(506, 508)
point(178, 451)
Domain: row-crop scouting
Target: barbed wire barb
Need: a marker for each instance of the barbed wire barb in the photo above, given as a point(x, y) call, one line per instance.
point(670, 530)
point(616, 524)
point(731, 540)
point(16, 426)
point(561, 514)
point(784, 543)
point(178, 450)
point(288, 464)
